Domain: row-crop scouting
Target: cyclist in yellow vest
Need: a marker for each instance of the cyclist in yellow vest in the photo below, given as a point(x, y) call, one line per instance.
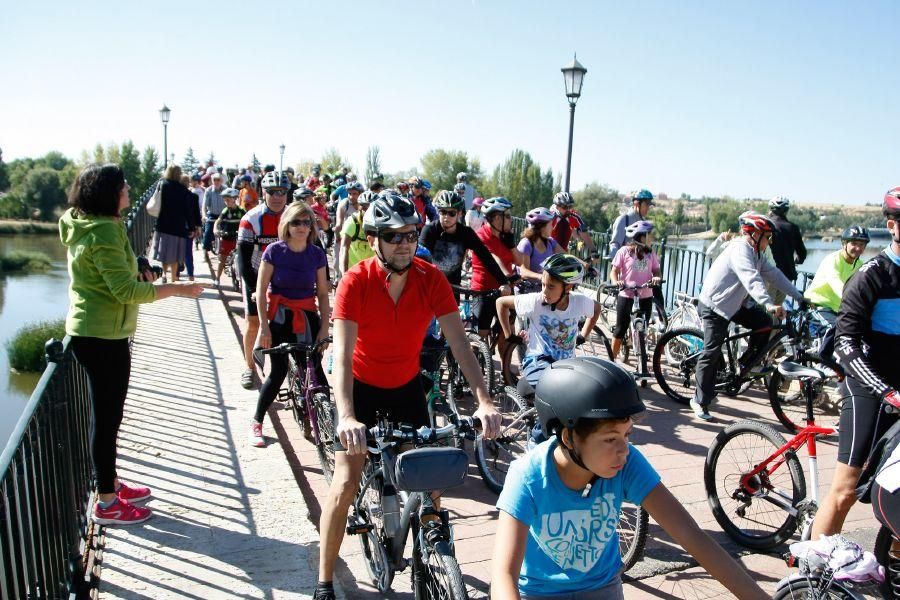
point(353, 237)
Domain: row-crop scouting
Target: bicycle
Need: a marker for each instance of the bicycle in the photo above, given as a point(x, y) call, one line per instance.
point(230, 270)
point(831, 567)
point(659, 320)
point(685, 313)
point(494, 457)
point(640, 329)
point(308, 399)
point(676, 354)
point(759, 496)
point(456, 385)
point(395, 499)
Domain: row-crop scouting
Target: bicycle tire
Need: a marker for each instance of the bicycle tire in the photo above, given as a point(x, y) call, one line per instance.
point(674, 366)
point(296, 397)
point(373, 542)
point(235, 277)
point(455, 384)
point(440, 577)
point(788, 402)
point(808, 588)
point(890, 588)
point(324, 411)
point(634, 523)
point(597, 345)
point(494, 457)
point(729, 502)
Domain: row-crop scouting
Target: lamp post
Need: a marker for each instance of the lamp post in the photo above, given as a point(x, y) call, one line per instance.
point(281, 162)
point(573, 76)
point(164, 113)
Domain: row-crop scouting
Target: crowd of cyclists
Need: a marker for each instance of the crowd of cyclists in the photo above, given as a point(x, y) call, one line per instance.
point(558, 509)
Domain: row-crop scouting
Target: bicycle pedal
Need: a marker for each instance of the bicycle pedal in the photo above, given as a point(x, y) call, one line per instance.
point(356, 525)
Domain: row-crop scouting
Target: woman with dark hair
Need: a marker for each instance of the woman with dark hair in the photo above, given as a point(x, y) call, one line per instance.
point(177, 224)
point(104, 292)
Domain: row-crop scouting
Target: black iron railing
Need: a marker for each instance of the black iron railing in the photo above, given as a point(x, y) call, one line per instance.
point(45, 473)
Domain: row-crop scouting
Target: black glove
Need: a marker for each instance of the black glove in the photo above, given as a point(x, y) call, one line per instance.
point(515, 339)
point(803, 304)
point(580, 340)
point(507, 239)
point(512, 279)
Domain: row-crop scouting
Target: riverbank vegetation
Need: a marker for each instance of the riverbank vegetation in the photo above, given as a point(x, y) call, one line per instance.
point(24, 261)
point(26, 349)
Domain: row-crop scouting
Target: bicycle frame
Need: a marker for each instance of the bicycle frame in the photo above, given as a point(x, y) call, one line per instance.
point(311, 387)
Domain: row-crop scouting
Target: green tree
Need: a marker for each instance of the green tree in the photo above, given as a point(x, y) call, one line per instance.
point(332, 161)
point(150, 170)
point(521, 180)
point(42, 192)
point(373, 163)
point(4, 174)
point(130, 162)
point(12, 207)
point(114, 154)
point(596, 203)
point(189, 163)
point(255, 162)
point(440, 167)
point(211, 159)
point(99, 154)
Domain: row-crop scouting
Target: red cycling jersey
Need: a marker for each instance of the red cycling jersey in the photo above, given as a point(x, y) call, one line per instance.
point(481, 278)
point(390, 335)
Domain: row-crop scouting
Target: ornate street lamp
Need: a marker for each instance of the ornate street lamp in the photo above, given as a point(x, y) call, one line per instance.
point(573, 76)
point(281, 162)
point(164, 113)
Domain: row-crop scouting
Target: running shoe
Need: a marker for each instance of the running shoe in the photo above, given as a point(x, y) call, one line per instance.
point(700, 411)
point(247, 379)
point(120, 512)
point(256, 436)
point(132, 494)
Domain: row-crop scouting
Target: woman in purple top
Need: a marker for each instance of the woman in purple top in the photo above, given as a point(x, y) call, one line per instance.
point(292, 278)
point(536, 245)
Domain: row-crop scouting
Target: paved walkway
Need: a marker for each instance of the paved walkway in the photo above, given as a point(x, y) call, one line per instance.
point(238, 522)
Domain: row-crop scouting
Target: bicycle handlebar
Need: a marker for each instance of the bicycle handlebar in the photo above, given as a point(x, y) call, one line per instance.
point(287, 347)
point(423, 435)
point(630, 288)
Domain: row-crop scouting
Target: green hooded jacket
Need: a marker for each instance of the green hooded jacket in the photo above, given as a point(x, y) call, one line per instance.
point(104, 290)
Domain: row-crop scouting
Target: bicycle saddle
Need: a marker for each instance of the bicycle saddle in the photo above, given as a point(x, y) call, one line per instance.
point(793, 370)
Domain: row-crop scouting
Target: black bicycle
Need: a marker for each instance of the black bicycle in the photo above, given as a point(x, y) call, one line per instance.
point(395, 499)
point(309, 399)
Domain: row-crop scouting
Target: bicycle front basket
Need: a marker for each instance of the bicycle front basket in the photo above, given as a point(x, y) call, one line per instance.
point(428, 469)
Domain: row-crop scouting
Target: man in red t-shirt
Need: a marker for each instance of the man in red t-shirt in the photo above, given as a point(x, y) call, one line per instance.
point(382, 309)
point(567, 222)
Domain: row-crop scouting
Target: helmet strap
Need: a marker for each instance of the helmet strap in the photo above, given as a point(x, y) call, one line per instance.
point(562, 295)
point(575, 455)
point(391, 269)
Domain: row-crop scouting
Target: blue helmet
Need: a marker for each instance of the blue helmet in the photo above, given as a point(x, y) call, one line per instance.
point(643, 195)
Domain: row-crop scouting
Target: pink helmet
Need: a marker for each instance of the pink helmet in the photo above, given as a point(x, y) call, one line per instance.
point(477, 202)
point(538, 216)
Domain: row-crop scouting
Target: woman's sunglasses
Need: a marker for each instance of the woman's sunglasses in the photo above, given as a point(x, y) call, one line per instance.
point(301, 223)
point(393, 237)
point(448, 213)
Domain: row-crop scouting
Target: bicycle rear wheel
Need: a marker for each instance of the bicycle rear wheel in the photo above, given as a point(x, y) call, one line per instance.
point(788, 402)
point(753, 511)
point(634, 523)
point(597, 345)
point(890, 560)
point(675, 360)
point(814, 587)
point(324, 411)
point(455, 384)
point(494, 457)
point(439, 577)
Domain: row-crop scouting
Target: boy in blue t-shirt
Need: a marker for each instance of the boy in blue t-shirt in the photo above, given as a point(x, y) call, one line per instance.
point(559, 508)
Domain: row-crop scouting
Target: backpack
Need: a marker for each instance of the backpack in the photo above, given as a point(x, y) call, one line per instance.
point(360, 235)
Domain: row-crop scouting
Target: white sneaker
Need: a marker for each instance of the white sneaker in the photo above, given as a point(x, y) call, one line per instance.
point(699, 411)
point(256, 437)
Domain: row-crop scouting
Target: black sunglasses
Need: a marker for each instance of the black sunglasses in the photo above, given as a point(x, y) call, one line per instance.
point(277, 192)
point(301, 223)
point(449, 213)
point(393, 237)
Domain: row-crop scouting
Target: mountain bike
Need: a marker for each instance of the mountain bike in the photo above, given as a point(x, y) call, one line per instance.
point(753, 478)
point(607, 293)
point(395, 500)
point(456, 384)
point(230, 269)
point(831, 567)
point(494, 458)
point(643, 331)
point(308, 399)
point(676, 354)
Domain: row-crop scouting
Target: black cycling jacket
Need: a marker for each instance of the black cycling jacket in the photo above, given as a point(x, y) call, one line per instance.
point(868, 325)
point(787, 242)
point(448, 250)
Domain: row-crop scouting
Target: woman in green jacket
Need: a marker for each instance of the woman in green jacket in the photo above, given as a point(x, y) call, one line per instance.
point(104, 292)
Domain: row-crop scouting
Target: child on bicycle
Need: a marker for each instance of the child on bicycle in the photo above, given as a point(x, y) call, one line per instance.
point(559, 508)
point(634, 264)
point(226, 228)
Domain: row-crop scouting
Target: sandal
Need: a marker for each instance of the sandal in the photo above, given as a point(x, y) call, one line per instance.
point(247, 379)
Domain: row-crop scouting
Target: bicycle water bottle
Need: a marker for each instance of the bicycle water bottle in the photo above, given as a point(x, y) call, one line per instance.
point(390, 511)
point(330, 362)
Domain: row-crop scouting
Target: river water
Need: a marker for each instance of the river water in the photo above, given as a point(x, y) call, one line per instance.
point(27, 299)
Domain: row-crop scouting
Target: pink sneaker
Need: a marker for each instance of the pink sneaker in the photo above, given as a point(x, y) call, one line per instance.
point(132, 494)
point(256, 436)
point(120, 512)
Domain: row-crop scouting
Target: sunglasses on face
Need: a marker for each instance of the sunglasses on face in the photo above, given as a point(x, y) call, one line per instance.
point(448, 213)
point(393, 237)
point(278, 192)
point(301, 223)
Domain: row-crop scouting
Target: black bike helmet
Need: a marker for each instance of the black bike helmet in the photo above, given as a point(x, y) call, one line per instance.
point(584, 388)
point(855, 234)
point(449, 200)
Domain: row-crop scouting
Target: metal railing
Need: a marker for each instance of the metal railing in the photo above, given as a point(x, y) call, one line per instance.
point(45, 472)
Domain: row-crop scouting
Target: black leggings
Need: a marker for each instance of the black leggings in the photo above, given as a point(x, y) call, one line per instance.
point(624, 304)
point(282, 333)
point(108, 366)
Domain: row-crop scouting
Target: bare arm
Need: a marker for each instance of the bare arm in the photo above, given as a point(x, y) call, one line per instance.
point(348, 427)
point(589, 323)
point(264, 338)
point(505, 305)
point(678, 523)
point(322, 288)
point(345, 253)
point(509, 551)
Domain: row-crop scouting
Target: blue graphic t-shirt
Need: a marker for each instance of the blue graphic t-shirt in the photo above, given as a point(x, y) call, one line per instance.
point(572, 544)
point(553, 332)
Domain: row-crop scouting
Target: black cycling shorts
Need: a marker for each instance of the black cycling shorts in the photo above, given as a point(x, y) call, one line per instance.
point(405, 404)
point(485, 310)
point(247, 292)
point(624, 305)
point(862, 422)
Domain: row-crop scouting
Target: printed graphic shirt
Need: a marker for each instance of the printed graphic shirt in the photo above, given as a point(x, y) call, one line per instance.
point(553, 332)
point(573, 545)
point(635, 271)
point(258, 229)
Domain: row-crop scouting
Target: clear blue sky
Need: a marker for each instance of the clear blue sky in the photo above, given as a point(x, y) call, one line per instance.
point(748, 99)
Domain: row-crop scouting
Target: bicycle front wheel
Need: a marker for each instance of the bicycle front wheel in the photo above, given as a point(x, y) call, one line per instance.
point(440, 577)
point(890, 560)
point(494, 457)
point(324, 411)
point(675, 360)
point(814, 587)
point(634, 522)
point(455, 384)
point(753, 510)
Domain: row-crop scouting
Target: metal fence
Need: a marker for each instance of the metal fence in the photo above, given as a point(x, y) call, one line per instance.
point(683, 269)
point(45, 473)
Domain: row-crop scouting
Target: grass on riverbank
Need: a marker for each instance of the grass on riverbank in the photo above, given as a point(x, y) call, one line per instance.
point(26, 349)
point(8, 226)
point(25, 261)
